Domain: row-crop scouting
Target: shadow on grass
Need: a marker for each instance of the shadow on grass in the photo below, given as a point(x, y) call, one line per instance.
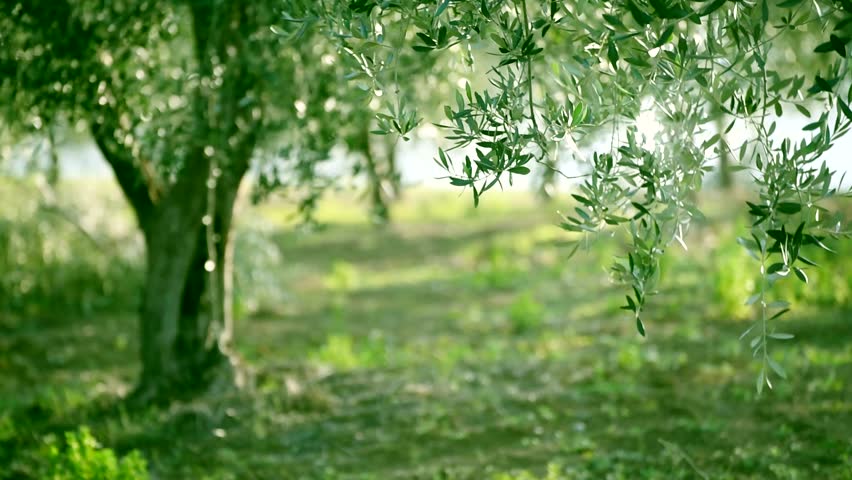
point(420, 378)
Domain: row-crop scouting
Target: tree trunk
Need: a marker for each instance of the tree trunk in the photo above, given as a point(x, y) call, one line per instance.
point(185, 319)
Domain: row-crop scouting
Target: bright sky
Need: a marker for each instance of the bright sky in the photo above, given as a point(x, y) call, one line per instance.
point(418, 167)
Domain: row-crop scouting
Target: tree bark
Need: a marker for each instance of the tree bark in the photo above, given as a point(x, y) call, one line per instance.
point(185, 318)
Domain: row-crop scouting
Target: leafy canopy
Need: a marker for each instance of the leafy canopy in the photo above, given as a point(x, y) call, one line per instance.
point(550, 75)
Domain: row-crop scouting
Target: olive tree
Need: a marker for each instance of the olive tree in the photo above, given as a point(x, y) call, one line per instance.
point(560, 71)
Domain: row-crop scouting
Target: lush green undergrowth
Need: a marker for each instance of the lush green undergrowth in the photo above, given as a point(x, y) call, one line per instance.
point(454, 344)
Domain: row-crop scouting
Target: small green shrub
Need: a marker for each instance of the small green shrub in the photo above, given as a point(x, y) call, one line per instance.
point(525, 313)
point(343, 277)
point(343, 353)
point(496, 267)
point(83, 458)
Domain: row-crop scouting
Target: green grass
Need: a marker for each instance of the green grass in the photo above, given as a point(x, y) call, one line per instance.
point(457, 344)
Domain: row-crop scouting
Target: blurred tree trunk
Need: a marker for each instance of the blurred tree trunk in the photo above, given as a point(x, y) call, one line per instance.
point(379, 211)
point(726, 179)
point(394, 175)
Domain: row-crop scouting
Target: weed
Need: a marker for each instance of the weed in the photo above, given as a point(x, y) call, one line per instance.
point(525, 313)
point(83, 458)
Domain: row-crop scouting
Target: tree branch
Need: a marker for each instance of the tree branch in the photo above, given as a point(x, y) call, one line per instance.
point(128, 174)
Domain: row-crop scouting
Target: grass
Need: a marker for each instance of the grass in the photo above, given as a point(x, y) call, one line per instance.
point(457, 344)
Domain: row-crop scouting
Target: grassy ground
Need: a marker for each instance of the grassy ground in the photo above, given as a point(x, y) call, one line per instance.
point(458, 344)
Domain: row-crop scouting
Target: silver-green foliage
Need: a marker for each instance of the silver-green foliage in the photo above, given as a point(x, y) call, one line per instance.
point(557, 72)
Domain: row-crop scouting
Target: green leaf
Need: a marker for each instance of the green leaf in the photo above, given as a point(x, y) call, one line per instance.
point(585, 201)
point(789, 208)
point(460, 182)
point(631, 305)
point(667, 9)
point(807, 261)
point(748, 330)
point(426, 39)
point(822, 85)
point(781, 336)
point(800, 274)
point(640, 327)
point(711, 141)
point(665, 36)
point(824, 47)
point(778, 304)
point(612, 54)
point(642, 17)
point(779, 268)
point(813, 240)
point(639, 62)
point(776, 367)
point(520, 170)
point(443, 6)
point(614, 219)
point(834, 44)
point(804, 111)
point(755, 341)
point(844, 107)
point(712, 7)
point(613, 20)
